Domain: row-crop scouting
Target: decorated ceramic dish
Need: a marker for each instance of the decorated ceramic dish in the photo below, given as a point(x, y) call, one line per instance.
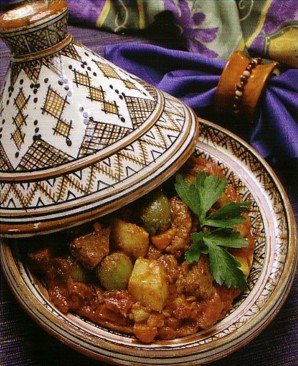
point(79, 136)
point(269, 281)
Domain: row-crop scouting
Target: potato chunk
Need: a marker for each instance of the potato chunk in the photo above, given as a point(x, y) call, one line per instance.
point(148, 283)
point(130, 238)
point(89, 249)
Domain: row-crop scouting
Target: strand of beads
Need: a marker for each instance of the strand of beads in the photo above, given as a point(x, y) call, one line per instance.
point(239, 89)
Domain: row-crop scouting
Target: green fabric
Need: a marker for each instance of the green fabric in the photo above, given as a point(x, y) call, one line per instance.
point(126, 15)
point(213, 28)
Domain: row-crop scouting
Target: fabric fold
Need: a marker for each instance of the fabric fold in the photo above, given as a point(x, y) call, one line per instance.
point(193, 79)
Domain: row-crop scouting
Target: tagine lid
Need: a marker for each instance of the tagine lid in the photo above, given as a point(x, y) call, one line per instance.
point(79, 136)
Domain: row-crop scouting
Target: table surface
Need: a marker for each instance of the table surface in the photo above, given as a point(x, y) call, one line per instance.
point(22, 342)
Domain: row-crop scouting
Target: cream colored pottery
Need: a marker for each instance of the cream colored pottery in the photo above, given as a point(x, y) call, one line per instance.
point(269, 282)
point(79, 136)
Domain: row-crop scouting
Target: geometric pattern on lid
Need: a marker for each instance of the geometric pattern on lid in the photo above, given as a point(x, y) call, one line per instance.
point(74, 112)
point(40, 154)
point(19, 120)
point(108, 174)
point(4, 161)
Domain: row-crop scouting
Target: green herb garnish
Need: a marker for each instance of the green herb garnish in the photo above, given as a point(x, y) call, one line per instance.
point(215, 233)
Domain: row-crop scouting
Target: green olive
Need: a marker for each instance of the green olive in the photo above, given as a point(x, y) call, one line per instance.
point(114, 271)
point(79, 273)
point(156, 213)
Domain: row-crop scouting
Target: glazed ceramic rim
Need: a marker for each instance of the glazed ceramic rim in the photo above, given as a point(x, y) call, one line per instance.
point(271, 277)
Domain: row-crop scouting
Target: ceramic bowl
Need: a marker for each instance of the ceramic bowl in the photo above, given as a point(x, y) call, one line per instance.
point(80, 137)
point(269, 282)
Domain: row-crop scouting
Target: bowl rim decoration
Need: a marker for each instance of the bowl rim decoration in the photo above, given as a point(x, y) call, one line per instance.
point(269, 282)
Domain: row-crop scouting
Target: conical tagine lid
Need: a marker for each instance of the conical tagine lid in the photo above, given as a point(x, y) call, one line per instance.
point(79, 137)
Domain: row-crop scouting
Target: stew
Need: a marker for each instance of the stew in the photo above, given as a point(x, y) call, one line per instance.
point(127, 271)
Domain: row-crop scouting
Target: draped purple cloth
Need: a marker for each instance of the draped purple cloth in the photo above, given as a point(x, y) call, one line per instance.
point(193, 78)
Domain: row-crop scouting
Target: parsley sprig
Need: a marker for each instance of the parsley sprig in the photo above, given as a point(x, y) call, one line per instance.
point(215, 233)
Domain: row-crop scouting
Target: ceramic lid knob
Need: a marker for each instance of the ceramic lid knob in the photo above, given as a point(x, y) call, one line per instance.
point(34, 27)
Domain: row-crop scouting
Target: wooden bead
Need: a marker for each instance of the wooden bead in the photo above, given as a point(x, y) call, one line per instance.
point(243, 79)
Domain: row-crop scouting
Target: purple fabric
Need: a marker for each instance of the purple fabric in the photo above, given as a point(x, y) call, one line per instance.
point(275, 133)
point(193, 78)
point(85, 12)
